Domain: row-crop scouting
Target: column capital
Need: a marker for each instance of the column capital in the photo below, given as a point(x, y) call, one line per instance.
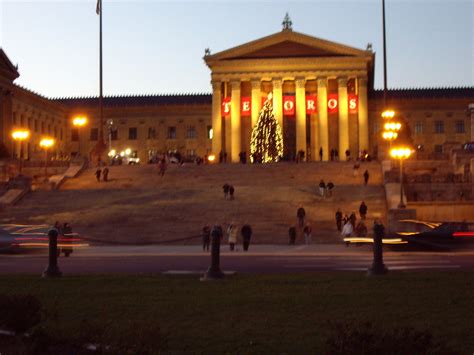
point(256, 83)
point(322, 82)
point(277, 83)
point(235, 85)
point(300, 82)
point(216, 85)
point(342, 81)
point(362, 81)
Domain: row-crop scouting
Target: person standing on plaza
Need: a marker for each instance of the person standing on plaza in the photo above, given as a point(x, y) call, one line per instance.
point(353, 219)
point(97, 173)
point(322, 188)
point(348, 154)
point(321, 154)
point(336, 155)
point(339, 219)
point(292, 235)
point(330, 186)
point(246, 232)
point(226, 188)
point(231, 192)
point(363, 210)
point(300, 214)
point(232, 236)
point(206, 238)
point(105, 173)
point(307, 234)
point(162, 166)
point(347, 231)
point(366, 177)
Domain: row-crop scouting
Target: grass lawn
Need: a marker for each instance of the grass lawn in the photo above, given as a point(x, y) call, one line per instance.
point(257, 314)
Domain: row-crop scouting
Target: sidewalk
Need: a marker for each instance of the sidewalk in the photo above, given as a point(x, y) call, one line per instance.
point(254, 250)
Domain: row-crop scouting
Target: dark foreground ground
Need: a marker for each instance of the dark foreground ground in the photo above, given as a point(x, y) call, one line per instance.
point(303, 313)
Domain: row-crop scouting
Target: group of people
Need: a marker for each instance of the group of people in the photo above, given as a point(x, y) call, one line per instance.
point(325, 190)
point(348, 225)
point(64, 231)
point(102, 173)
point(232, 236)
point(228, 191)
point(302, 226)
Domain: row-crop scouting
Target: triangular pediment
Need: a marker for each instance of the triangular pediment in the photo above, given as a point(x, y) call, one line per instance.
point(287, 44)
point(7, 69)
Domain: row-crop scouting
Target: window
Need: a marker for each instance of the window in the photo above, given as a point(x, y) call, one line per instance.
point(132, 133)
point(439, 127)
point(438, 148)
point(151, 133)
point(210, 132)
point(171, 133)
point(94, 134)
point(61, 134)
point(459, 127)
point(74, 134)
point(418, 127)
point(114, 134)
point(191, 132)
point(376, 127)
point(55, 132)
point(42, 127)
point(36, 125)
point(49, 129)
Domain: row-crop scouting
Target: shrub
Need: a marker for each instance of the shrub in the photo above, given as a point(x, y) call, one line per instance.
point(368, 339)
point(19, 313)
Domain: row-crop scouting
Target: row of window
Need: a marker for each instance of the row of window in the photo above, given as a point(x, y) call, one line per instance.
point(191, 133)
point(439, 127)
point(41, 127)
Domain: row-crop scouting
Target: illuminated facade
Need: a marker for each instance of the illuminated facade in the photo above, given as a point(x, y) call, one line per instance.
point(323, 97)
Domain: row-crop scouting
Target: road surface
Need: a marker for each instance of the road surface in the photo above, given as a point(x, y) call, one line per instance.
point(260, 259)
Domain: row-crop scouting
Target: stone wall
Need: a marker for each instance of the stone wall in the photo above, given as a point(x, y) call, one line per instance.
point(438, 211)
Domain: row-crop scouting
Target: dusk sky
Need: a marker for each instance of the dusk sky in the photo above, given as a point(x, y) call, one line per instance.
point(156, 47)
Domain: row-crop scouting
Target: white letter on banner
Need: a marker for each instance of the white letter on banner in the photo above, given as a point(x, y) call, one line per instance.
point(332, 104)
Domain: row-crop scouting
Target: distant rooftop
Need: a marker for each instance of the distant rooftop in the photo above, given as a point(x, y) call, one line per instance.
point(206, 99)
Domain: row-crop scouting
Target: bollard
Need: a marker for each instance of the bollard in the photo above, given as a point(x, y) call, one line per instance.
point(378, 267)
point(53, 270)
point(214, 272)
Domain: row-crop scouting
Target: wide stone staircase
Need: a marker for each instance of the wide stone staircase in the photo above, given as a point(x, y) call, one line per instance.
point(138, 206)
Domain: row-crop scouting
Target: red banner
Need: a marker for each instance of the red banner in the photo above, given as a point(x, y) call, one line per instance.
point(311, 104)
point(353, 103)
point(225, 106)
point(289, 105)
point(246, 106)
point(333, 103)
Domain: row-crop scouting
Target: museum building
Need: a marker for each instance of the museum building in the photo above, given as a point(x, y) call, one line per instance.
point(322, 95)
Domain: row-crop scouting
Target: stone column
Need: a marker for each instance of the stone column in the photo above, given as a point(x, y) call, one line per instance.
point(471, 109)
point(343, 117)
point(278, 101)
point(235, 129)
point(323, 118)
point(363, 116)
point(216, 118)
point(300, 115)
point(256, 100)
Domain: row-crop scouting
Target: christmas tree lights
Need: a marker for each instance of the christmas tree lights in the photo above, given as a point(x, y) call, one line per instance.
point(266, 144)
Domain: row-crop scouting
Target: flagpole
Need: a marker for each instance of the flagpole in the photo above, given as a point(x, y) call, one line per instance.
point(101, 98)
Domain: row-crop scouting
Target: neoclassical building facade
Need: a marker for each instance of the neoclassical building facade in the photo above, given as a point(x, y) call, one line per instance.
point(319, 89)
point(322, 92)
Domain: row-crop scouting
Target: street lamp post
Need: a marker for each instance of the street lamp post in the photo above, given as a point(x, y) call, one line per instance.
point(401, 154)
point(46, 143)
point(20, 135)
point(78, 122)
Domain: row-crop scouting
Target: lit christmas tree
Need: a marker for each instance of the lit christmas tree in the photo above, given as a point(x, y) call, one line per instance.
point(266, 145)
